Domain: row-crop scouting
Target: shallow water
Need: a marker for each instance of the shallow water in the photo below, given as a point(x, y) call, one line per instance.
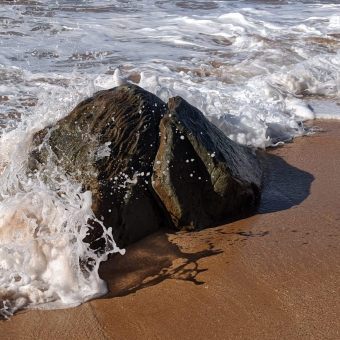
point(257, 69)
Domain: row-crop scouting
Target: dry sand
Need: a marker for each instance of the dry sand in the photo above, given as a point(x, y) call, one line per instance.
point(275, 275)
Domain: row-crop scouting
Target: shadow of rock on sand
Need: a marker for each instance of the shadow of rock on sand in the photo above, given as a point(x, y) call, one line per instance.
point(284, 185)
point(160, 256)
point(151, 261)
point(165, 256)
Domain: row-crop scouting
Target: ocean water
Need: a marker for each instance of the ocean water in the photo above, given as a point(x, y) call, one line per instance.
point(257, 69)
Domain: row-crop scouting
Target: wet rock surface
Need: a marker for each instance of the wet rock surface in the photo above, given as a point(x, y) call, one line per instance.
point(108, 143)
point(201, 176)
point(148, 164)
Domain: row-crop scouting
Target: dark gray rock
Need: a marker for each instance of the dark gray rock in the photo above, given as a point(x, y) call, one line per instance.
point(149, 165)
point(201, 176)
point(109, 143)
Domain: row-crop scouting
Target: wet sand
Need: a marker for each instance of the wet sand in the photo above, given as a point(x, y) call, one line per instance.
point(275, 275)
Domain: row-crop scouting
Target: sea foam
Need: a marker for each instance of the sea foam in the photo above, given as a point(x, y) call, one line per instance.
point(44, 218)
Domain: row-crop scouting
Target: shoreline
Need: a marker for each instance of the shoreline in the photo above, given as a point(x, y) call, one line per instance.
point(272, 275)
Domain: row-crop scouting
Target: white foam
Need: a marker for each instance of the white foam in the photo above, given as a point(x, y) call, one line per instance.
point(103, 151)
point(324, 109)
point(43, 220)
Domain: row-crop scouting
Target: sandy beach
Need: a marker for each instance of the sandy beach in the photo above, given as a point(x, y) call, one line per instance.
point(274, 275)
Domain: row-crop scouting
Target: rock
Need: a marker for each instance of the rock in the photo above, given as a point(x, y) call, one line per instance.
point(149, 165)
point(109, 143)
point(201, 176)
